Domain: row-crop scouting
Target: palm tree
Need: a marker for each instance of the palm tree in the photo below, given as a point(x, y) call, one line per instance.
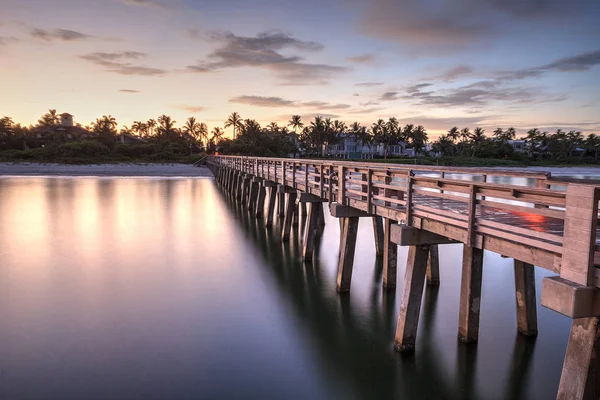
point(273, 127)
point(510, 134)
point(138, 127)
point(234, 121)
point(498, 134)
point(477, 138)
point(51, 118)
point(296, 122)
point(217, 133)
point(192, 128)
point(532, 139)
point(453, 134)
point(166, 127)
point(150, 125)
point(592, 143)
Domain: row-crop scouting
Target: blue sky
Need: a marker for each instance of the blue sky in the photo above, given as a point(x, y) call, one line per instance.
point(531, 63)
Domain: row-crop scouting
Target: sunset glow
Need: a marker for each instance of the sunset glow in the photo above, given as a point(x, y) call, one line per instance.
point(439, 64)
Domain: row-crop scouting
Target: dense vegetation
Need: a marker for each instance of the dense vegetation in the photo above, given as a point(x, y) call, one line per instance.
point(161, 140)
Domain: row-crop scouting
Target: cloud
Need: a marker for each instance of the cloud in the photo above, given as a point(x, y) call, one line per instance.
point(388, 96)
point(476, 94)
point(58, 34)
point(191, 109)
point(263, 51)
point(578, 63)
point(260, 101)
point(325, 106)
point(369, 84)
point(120, 63)
point(129, 91)
point(456, 72)
point(454, 25)
point(367, 110)
point(363, 59)
point(6, 40)
point(144, 3)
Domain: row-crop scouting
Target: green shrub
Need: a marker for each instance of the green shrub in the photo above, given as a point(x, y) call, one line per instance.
point(88, 148)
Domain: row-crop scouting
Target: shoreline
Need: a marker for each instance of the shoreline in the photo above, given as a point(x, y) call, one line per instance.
point(191, 171)
point(104, 170)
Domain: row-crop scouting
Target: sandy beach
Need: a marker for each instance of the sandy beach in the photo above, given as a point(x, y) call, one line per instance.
point(125, 170)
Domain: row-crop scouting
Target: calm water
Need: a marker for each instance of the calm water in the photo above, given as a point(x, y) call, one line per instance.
point(140, 288)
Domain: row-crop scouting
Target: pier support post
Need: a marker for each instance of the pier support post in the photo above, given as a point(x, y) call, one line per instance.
point(271, 206)
point(433, 266)
point(281, 204)
point(253, 197)
point(289, 215)
point(321, 217)
point(304, 211)
point(525, 297)
point(470, 294)
point(245, 189)
point(310, 232)
point(378, 235)
point(580, 379)
point(410, 306)
point(346, 254)
point(260, 204)
point(296, 219)
point(390, 256)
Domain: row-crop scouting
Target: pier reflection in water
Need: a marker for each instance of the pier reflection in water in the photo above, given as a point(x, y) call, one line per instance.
point(165, 288)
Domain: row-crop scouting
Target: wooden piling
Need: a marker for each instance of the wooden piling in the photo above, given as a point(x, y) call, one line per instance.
point(580, 378)
point(410, 306)
point(378, 235)
point(271, 206)
point(289, 215)
point(433, 266)
point(281, 204)
point(260, 203)
point(253, 196)
point(296, 219)
point(470, 294)
point(346, 253)
point(310, 232)
point(390, 256)
point(525, 298)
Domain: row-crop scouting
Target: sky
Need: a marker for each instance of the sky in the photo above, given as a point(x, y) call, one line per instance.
point(465, 63)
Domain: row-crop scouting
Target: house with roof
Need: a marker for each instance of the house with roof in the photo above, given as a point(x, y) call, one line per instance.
point(350, 147)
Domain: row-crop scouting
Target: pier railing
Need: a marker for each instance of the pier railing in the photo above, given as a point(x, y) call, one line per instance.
point(460, 202)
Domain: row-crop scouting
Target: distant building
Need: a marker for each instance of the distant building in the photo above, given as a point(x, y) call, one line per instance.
point(519, 146)
point(350, 147)
point(66, 119)
point(126, 138)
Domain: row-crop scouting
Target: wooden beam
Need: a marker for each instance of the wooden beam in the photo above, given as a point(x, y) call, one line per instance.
point(525, 298)
point(569, 298)
point(410, 306)
point(470, 294)
point(581, 221)
point(404, 235)
point(580, 378)
point(433, 266)
point(280, 203)
point(253, 196)
point(390, 256)
point(289, 216)
point(346, 254)
point(310, 198)
point(378, 235)
point(310, 232)
point(341, 211)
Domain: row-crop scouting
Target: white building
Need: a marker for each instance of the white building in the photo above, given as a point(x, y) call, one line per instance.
point(350, 147)
point(66, 119)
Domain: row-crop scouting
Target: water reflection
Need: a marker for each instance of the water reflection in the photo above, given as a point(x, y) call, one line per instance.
point(167, 288)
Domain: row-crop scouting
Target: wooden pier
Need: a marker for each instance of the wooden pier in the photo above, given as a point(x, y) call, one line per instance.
point(546, 222)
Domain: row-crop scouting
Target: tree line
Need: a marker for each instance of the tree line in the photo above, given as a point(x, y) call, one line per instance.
point(312, 138)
